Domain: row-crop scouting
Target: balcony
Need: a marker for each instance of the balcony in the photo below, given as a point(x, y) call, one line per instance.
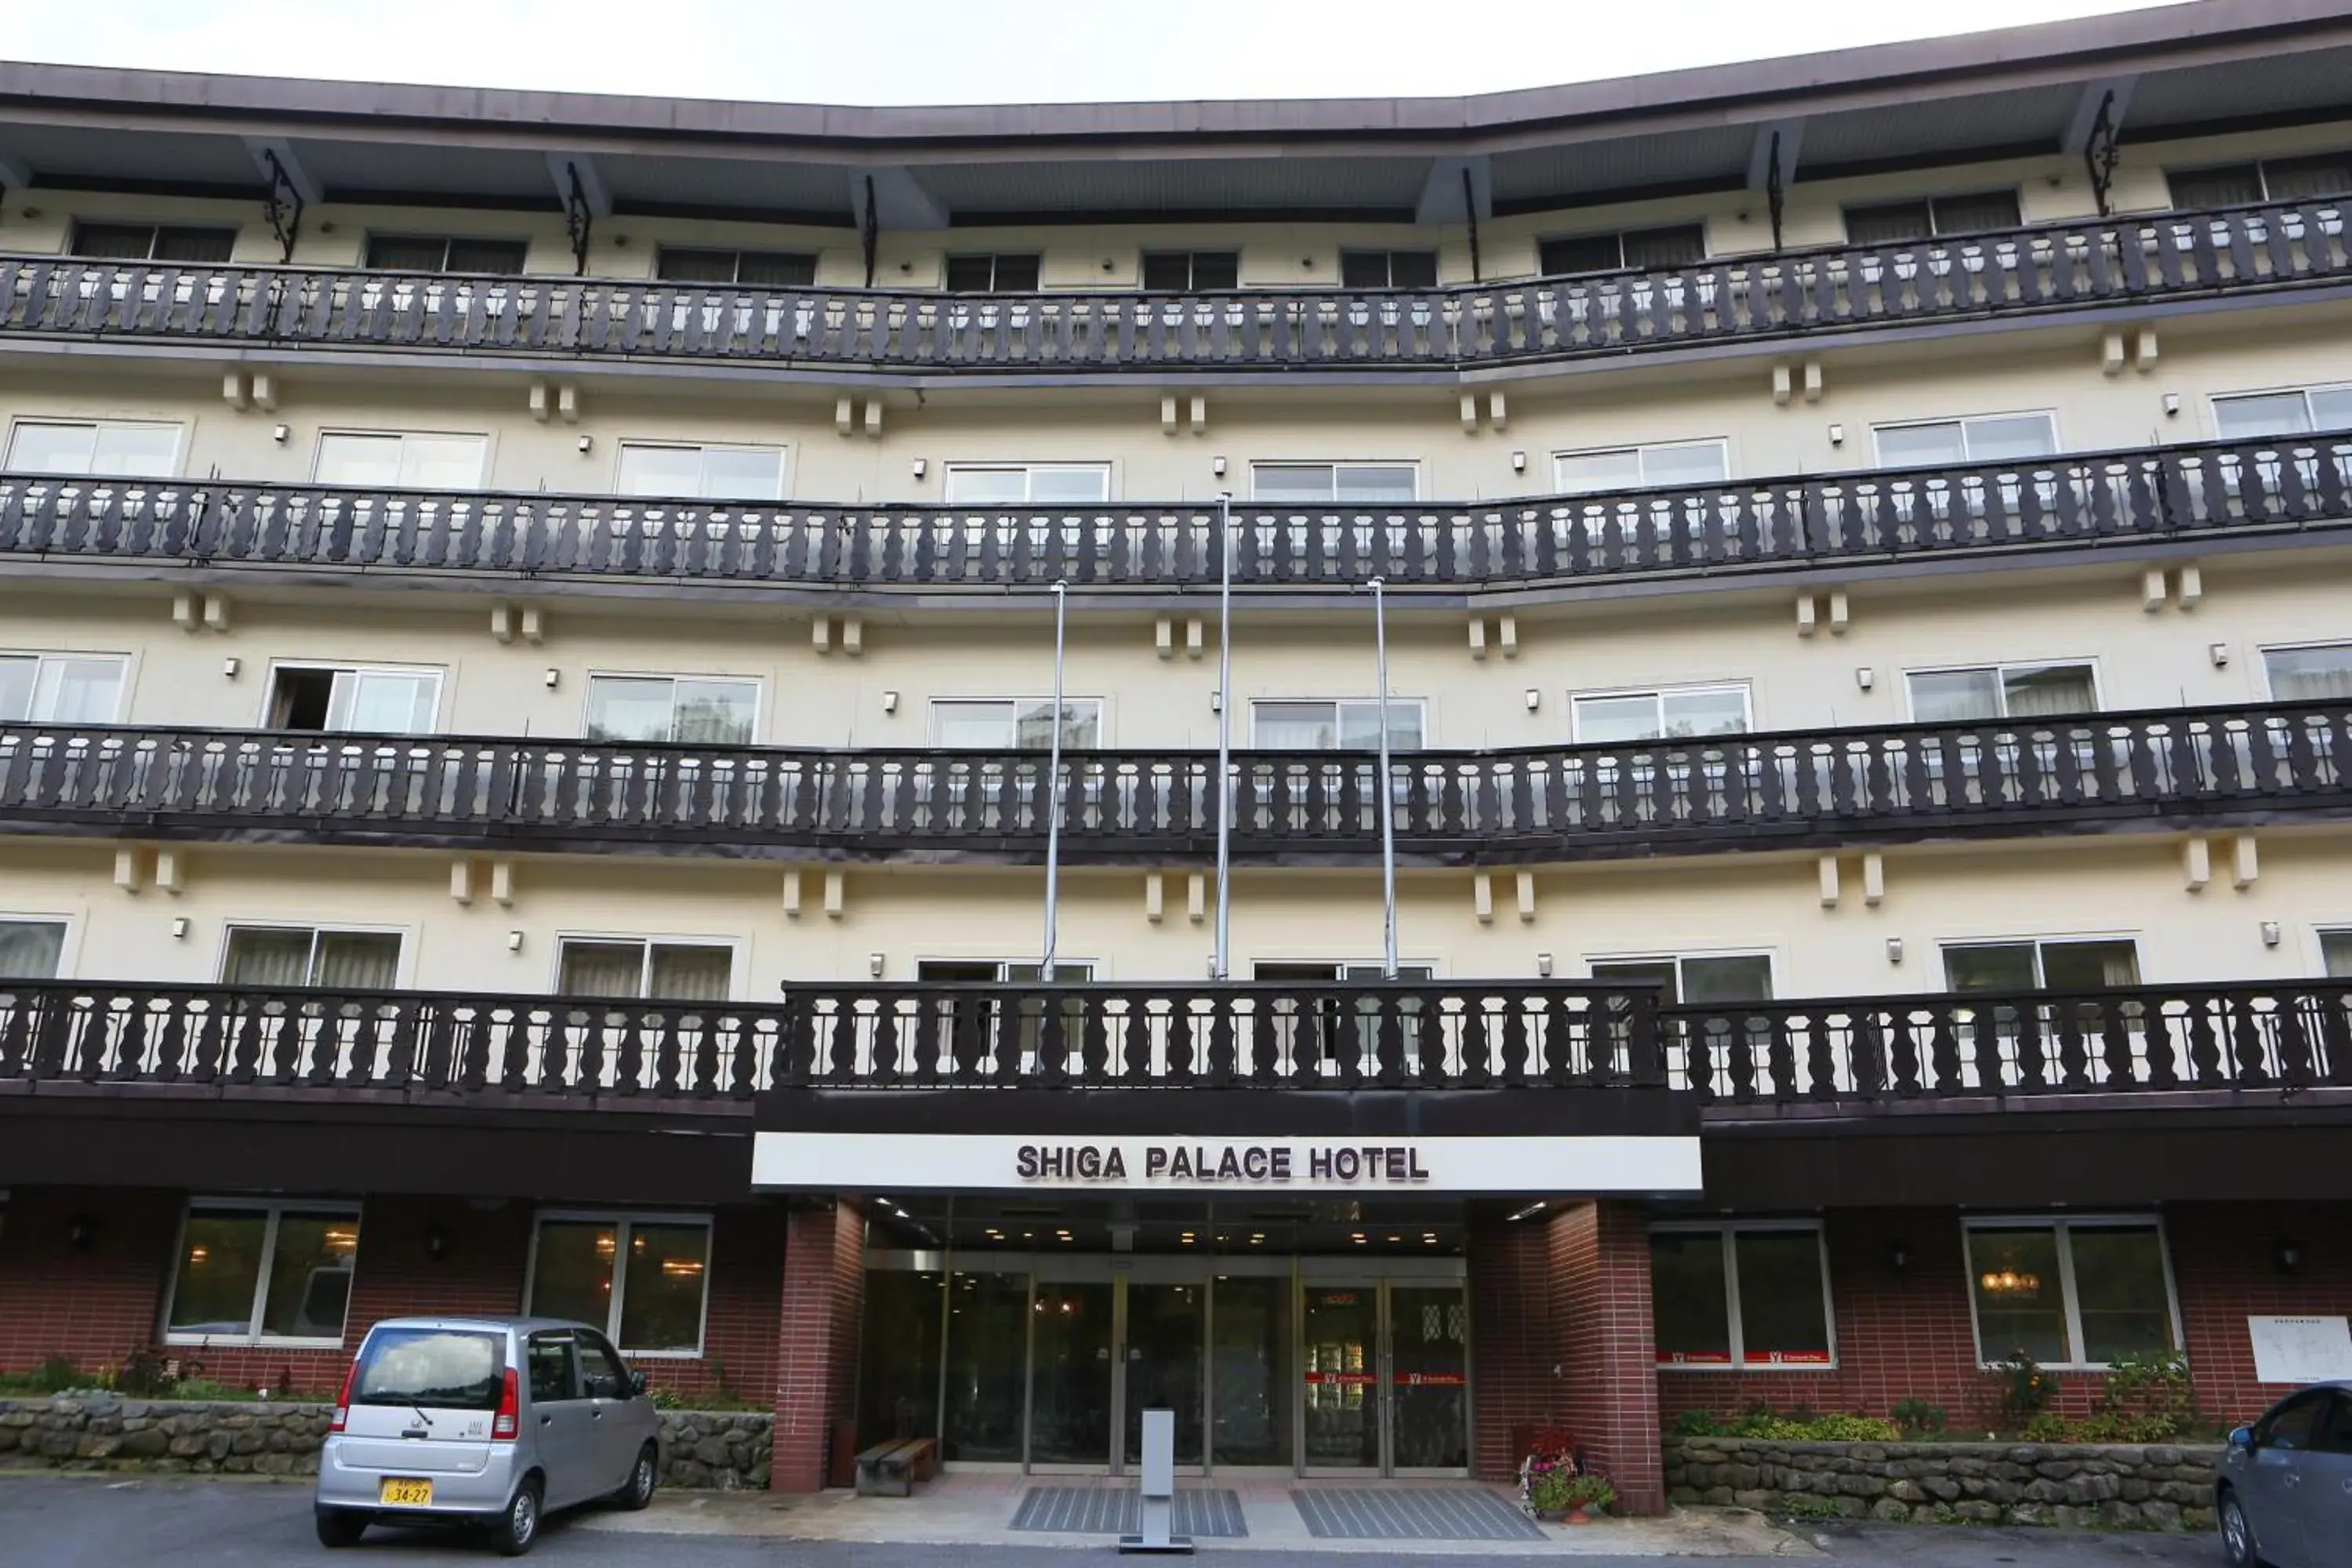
point(2045, 269)
point(2101, 773)
point(2202, 493)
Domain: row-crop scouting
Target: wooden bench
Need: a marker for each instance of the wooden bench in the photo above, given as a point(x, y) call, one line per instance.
point(891, 1469)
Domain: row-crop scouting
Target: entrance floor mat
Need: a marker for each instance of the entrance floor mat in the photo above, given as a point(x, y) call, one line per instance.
point(1206, 1512)
point(1410, 1513)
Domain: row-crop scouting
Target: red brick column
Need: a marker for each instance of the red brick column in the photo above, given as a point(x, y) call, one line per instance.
point(1608, 1387)
point(816, 1340)
point(1511, 1347)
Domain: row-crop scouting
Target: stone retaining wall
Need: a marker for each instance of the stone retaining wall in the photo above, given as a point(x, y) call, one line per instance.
point(105, 1431)
point(2149, 1486)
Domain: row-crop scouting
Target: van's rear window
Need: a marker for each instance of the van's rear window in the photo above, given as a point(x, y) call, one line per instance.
point(446, 1369)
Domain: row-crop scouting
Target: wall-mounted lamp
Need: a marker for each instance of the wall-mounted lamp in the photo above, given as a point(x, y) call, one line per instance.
point(436, 1241)
point(889, 702)
point(2219, 653)
point(874, 965)
point(179, 927)
point(1535, 699)
point(278, 433)
point(1543, 964)
point(1217, 467)
point(1894, 950)
point(1837, 435)
point(80, 1231)
point(2270, 933)
point(1898, 1258)
point(514, 941)
point(2172, 405)
point(553, 676)
point(586, 444)
point(1865, 677)
point(230, 667)
point(919, 467)
point(2287, 1255)
point(1519, 462)
point(1216, 702)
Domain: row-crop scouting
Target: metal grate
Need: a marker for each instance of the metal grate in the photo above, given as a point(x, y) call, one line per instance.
point(1117, 1510)
point(1410, 1513)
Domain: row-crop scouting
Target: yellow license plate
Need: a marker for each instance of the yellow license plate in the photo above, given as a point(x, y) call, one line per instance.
point(399, 1491)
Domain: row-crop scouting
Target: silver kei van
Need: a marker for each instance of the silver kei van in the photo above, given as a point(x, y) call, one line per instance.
point(493, 1420)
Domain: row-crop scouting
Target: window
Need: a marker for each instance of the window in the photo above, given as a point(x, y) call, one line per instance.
point(1346, 483)
point(1692, 981)
point(263, 1271)
point(2335, 953)
point(992, 274)
point(707, 473)
point(1015, 724)
point(2001, 691)
point(2071, 1292)
point(1665, 465)
point(2319, 674)
point(550, 1366)
point(641, 1279)
point(695, 712)
point(281, 957)
point(323, 700)
point(992, 972)
point(1633, 249)
point(1740, 1296)
point(103, 448)
point(1350, 725)
point(408, 459)
point(152, 242)
point(1388, 269)
point(2270, 180)
point(2251, 416)
point(602, 1377)
point(2295, 1425)
point(60, 688)
point(2069, 964)
point(760, 268)
point(1027, 484)
point(1675, 714)
point(444, 253)
point(646, 971)
point(31, 949)
point(1989, 438)
point(1888, 223)
point(1191, 271)
point(1329, 1030)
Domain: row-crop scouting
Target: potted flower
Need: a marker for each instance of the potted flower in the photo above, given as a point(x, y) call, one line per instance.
point(1545, 1471)
point(1586, 1494)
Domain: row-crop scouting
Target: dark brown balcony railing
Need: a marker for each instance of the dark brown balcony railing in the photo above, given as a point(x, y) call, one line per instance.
point(2152, 495)
point(2295, 1034)
point(1892, 783)
point(1462, 1034)
point(2049, 266)
point(1846, 1054)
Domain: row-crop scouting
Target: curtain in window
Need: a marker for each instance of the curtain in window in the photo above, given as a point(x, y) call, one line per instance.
point(602, 968)
point(1976, 213)
point(690, 974)
point(79, 690)
point(1684, 245)
point(1298, 726)
point(29, 950)
point(358, 961)
point(677, 266)
point(2311, 674)
point(2293, 179)
point(714, 712)
point(1889, 224)
point(271, 959)
point(2051, 689)
point(2235, 186)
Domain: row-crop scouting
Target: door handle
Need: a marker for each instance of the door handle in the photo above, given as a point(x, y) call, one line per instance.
point(546, 1420)
point(595, 1415)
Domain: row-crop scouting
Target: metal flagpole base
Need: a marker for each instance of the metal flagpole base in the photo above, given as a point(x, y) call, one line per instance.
point(1153, 1539)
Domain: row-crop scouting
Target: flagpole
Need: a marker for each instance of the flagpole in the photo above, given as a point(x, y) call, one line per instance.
point(1387, 788)
point(1218, 966)
point(1053, 795)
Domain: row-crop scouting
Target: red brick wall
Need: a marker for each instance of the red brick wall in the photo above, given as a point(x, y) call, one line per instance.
point(2225, 1266)
point(93, 1304)
point(1600, 1319)
point(1511, 1349)
point(821, 1304)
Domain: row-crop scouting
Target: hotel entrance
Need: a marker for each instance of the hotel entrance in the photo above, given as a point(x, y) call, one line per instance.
point(1045, 1363)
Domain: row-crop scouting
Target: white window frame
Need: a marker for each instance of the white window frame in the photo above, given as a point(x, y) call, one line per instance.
point(2320, 932)
point(1576, 700)
point(273, 1209)
point(1420, 704)
point(783, 451)
point(487, 437)
point(179, 429)
point(2000, 670)
point(2066, 1224)
point(1029, 473)
point(1619, 234)
point(1258, 465)
point(232, 925)
point(1101, 706)
point(759, 700)
point(648, 940)
point(2264, 650)
point(445, 239)
point(440, 674)
point(1678, 958)
point(1726, 1230)
point(2303, 390)
point(2260, 163)
point(1934, 204)
point(2057, 436)
point(68, 945)
point(1095, 968)
point(1641, 450)
point(41, 658)
point(622, 1221)
point(2037, 941)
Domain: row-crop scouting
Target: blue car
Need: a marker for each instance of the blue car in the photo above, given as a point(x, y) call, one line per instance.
point(2283, 1488)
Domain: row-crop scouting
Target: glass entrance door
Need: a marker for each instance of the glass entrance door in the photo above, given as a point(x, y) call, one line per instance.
point(1340, 1376)
point(1429, 1378)
point(1070, 1372)
point(1164, 1332)
point(1385, 1378)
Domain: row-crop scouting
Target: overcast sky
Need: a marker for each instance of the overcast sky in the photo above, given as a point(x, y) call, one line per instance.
point(977, 51)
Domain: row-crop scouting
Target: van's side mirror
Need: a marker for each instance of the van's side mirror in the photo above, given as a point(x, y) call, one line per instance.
point(2243, 1438)
point(636, 1383)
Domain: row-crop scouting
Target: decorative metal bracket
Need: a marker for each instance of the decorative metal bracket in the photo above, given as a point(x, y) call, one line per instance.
point(282, 206)
point(2100, 153)
point(1470, 211)
point(578, 218)
point(869, 230)
point(1776, 195)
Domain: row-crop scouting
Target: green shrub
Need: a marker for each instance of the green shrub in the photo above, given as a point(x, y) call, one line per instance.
point(1803, 1507)
point(2025, 1390)
point(1699, 1423)
point(1549, 1492)
point(1918, 1418)
point(1589, 1491)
